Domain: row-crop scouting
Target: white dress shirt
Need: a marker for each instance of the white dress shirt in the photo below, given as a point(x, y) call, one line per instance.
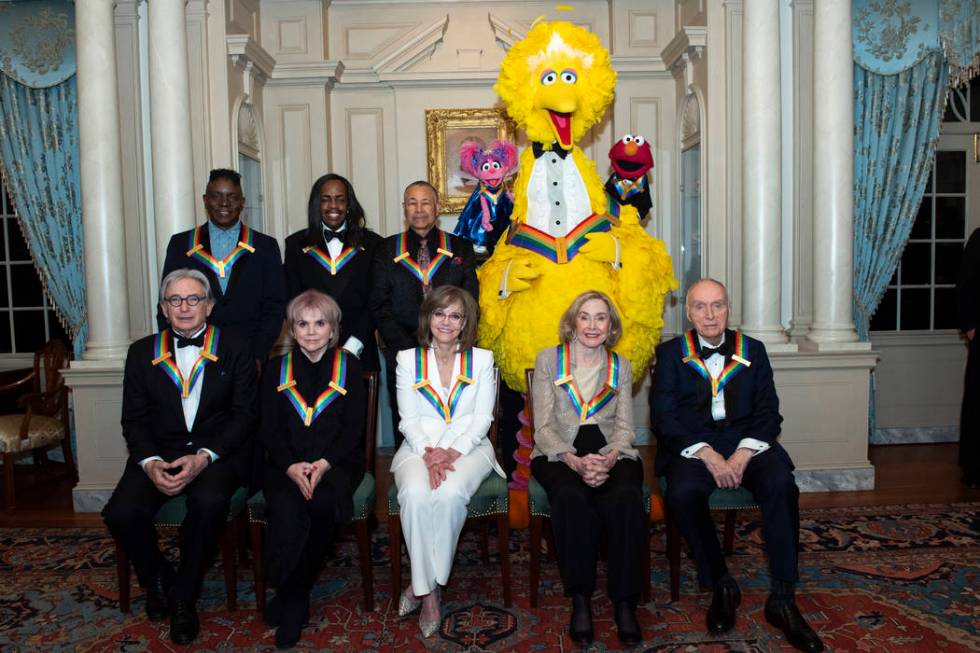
point(716, 364)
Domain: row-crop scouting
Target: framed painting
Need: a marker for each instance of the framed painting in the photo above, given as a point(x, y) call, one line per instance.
point(445, 131)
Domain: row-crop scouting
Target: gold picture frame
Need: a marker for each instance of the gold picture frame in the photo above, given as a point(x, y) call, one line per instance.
point(445, 130)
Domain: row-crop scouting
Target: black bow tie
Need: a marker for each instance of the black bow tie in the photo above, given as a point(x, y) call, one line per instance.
point(190, 342)
point(538, 150)
point(330, 234)
point(725, 349)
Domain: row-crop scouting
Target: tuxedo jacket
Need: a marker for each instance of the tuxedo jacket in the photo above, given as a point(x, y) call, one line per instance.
point(425, 426)
point(254, 302)
point(350, 287)
point(336, 435)
point(397, 293)
point(968, 287)
point(556, 421)
point(680, 404)
point(153, 419)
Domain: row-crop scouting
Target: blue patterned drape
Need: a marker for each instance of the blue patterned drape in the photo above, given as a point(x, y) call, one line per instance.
point(39, 160)
point(896, 126)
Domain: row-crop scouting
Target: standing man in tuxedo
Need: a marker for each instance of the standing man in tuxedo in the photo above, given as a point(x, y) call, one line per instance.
point(243, 266)
point(406, 267)
point(968, 303)
point(716, 416)
point(188, 407)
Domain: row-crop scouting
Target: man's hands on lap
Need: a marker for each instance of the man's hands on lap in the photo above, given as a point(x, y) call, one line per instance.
point(171, 484)
point(727, 473)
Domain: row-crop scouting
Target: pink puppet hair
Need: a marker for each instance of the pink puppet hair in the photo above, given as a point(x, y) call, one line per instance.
point(472, 155)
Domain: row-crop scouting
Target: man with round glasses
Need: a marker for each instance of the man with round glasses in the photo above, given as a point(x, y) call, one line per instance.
point(188, 408)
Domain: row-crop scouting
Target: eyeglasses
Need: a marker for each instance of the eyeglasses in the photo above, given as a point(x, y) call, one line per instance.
point(177, 300)
point(455, 318)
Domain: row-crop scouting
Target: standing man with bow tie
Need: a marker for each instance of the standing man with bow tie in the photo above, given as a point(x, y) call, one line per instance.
point(244, 267)
point(407, 266)
point(716, 416)
point(335, 255)
point(188, 408)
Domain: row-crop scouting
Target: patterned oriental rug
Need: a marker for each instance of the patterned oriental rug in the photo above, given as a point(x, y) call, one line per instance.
point(875, 579)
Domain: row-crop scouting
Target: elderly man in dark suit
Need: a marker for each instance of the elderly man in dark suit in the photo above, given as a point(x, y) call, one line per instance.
point(968, 304)
point(406, 267)
point(716, 416)
point(243, 266)
point(188, 407)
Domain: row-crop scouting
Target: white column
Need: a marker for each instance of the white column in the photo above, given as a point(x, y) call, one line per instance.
point(173, 167)
point(101, 181)
point(762, 190)
point(833, 176)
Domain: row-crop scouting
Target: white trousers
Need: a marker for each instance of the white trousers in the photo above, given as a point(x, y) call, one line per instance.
point(432, 519)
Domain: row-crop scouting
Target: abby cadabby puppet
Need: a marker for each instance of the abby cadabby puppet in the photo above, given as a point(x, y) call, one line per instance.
point(486, 215)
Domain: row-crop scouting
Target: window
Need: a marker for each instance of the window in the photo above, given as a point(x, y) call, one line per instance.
point(27, 319)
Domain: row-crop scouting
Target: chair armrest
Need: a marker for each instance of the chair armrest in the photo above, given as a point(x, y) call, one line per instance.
point(43, 403)
point(18, 383)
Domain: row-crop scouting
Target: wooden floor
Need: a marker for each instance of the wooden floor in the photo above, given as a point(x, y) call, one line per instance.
point(917, 473)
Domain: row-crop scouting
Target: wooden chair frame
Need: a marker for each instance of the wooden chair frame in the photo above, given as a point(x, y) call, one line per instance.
point(502, 519)
point(361, 526)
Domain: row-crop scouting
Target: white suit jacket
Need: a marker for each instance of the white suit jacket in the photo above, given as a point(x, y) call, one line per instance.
point(423, 426)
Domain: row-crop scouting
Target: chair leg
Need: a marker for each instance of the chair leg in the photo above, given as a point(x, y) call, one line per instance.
point(255, 530)
point(673, 558)
point(484, 541)
point(241, 537)
point(395, 553)
point(122, 577)
point(729, 541)
point(229, 562)
point(645, 588)
point(8, 482)
point(367, 574)
point(534, 552)
point(503, 550)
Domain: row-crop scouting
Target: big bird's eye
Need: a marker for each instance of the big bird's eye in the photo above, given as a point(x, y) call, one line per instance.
point(486, 166)
point(640, 140)
point(549, 77)
point(569, 76)
point(628, 138)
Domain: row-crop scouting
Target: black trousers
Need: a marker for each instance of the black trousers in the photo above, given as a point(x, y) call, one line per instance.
point(970, 413)
point(579, 514)
point(770, 480)
point(300, 531)
point(130, 511)
point(390, 364)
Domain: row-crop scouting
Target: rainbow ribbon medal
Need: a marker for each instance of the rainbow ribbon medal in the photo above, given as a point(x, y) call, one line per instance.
point(424, 386)
point(693, 359)
point(331, 265)
point(335, 388)
point(564, 378)
point(164, 357)
point(442, 254)
point(561, 249)
point(220, 267)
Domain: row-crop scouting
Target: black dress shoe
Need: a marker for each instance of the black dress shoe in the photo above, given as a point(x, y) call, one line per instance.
point(627, 627)
point(272, 612)
point(157, 607)
point(785, 616)
point(580, 626)
point(184, 625)
point(721, 612)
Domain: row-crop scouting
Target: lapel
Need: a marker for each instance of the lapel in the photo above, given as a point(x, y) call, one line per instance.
point(702, 385)
point(237, 270)
point(210, 385)
point(337, 283)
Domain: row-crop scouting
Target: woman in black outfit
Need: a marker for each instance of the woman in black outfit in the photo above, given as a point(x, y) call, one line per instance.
point(313, 413)
point(333, 255)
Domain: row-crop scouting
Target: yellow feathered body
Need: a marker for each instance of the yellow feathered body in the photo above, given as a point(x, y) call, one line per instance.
point(556, 83)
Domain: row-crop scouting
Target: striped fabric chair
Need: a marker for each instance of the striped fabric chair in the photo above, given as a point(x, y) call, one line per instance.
point(489, 503)
point(364, 497)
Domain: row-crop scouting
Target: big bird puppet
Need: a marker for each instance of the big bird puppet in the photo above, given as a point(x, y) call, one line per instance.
point(556, 84)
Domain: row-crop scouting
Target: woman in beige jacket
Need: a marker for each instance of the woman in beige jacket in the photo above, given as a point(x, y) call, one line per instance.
point(584, 458)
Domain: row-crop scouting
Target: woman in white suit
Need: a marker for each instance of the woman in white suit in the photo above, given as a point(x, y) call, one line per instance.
point(445, 401)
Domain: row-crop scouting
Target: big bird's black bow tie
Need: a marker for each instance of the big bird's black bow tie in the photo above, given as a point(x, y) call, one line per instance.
point(538, 150)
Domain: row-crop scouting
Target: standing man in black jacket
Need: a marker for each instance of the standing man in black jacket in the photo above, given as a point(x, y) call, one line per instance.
point(968, 302)
point(406, 267)
point(189, 397)
point(243, 266)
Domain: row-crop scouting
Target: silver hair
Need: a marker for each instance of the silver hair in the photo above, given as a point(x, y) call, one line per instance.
point(687, 295)
point(186, 273)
